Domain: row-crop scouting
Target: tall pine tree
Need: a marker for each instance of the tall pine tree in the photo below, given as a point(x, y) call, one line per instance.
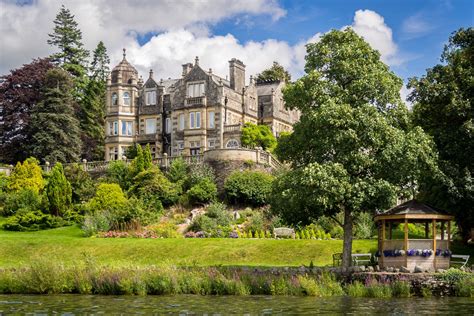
point(92, 112)
point(55, 130)
point(67, 37)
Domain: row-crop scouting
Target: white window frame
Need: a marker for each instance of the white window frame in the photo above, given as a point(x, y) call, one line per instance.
point(191, 120)
point(180, 144)
point(198, 119)
point(195, 89)
point(127, 128)
point(150, 97)
point(126, 98)
point(212, 120)
point(115, 130)
point(148, 131)
point(168, 125)
point(181, 121)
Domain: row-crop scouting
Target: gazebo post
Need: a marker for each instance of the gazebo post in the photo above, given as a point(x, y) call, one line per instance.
point(434, 243)
point(390, 230)
point(382, 241)
point(442, 230)
point(427, 230)
point(405, 242)
point(449, 233)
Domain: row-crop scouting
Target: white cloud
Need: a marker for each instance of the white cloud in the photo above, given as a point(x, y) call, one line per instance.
point(24, 28)
point(371, 26)
point(183, 32)
point(415, 26)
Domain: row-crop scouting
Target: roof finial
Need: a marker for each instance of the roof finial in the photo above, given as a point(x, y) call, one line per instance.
point(151, 73)
point(124, 53)
point(196, 60)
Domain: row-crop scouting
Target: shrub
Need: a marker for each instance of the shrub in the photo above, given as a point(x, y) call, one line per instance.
point(257, 136)
point(32, 221)
point(22, 201)
point(165, 230)
point(248, 187)
point(96, 222)
point(152, 184)
point(219, 212)
point(178, 171)
point(118, 172)
point(26, 175)
point(203, 223)
point(58, 191)
point(197, 173)
point(256, 222)
point(356, 289)
point(83, 188)
point(202, 192)
point(109, 197)
point(401, 289)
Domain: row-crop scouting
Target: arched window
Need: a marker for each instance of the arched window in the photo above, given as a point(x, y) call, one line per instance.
point(114, 99)
point(232, 144)
point(126, 98)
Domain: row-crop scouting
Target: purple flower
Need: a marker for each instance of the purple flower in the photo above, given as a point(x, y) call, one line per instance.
point(233, 235)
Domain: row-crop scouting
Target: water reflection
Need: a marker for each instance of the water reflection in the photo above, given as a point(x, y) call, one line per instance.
point(225, 305)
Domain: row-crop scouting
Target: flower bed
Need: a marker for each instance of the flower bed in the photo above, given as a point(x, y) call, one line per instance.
point(415, 252)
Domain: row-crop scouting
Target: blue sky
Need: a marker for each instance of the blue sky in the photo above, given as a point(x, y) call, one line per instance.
point(162, 35)
point(420, 28)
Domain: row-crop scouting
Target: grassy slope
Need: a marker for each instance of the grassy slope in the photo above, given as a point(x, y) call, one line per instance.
point(66, 245)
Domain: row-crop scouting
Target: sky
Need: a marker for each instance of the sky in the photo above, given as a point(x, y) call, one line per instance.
point(162, 35)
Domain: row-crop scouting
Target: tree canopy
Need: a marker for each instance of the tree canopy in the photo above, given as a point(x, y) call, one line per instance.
point(275, 72)
point(444, 108)
point(353, 133)
point(257, 136)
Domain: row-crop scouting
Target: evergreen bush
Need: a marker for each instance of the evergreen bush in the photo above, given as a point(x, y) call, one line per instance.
point(248, 187)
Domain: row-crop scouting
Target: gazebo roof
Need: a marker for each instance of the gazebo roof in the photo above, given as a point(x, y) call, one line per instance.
point(414, 209)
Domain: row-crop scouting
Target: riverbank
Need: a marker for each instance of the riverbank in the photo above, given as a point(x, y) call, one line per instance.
point(49, 277)
point(68, 246)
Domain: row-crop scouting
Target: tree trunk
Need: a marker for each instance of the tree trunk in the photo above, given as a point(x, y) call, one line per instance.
point(347, 245)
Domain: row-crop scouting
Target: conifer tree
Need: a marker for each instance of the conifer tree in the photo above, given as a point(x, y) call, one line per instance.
point(58, 191)
point(55, 130)
point(67, 37)
point(100, 63)
point(147, 159)
point(275, 72)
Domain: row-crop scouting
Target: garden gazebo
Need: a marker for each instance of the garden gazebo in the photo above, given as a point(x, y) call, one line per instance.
point(428, 253)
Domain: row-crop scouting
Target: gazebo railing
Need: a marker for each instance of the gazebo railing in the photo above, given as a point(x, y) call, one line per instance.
point(393, 244)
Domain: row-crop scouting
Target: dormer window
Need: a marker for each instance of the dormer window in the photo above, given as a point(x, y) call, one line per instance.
point(195, 90)
point(126, 98)
point(114, 99)
point(150, 97)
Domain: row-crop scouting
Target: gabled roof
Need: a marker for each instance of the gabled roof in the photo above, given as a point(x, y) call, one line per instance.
point(415, 210)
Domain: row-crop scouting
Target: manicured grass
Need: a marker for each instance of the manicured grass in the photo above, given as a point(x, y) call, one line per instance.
point(67, 245)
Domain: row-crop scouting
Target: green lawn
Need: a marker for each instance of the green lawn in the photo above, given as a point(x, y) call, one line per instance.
point(68, 246)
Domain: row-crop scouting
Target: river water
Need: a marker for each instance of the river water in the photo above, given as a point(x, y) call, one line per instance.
point(228, 305)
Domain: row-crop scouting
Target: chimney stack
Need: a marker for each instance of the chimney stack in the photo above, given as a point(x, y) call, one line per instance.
point(187, 68)
point(237, 74)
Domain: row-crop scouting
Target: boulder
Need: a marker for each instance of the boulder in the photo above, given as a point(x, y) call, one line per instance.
point(418, 269)
point(441, 271)
point(370, 269)
point(404, 270)
point(396, 270)
point(377, 268)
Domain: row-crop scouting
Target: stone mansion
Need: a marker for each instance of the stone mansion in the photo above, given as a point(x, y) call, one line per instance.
point(189, 115)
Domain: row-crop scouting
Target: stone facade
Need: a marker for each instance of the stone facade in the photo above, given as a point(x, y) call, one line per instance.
point(189, 115)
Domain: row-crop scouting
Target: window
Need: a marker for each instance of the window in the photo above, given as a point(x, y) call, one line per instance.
point(211, 120)
point(150, 98)
point(192, 122)
point(126, 98)
point(232, 144)
point(211, 143)
point(113, 128)
point(195, 90)
point(150, 126)
point(127, 128)
point(181, 122)
point(180, 145)
point(113, 153)
point(114, 98)
point(198, 119)
point(168, 125)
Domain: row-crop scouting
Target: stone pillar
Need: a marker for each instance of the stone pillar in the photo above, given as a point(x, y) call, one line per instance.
point(84, 164)
point(164, 162)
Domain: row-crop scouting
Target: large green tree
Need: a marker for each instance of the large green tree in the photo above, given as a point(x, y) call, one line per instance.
point(257, 136)
point(91, 113)
point(67, 37)
point(54, 128)
point(275, 72)
point(444, 107)
point(353, 150)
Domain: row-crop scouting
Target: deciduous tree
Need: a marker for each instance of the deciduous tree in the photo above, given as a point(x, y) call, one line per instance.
point(352, 151)
point(444, 108)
